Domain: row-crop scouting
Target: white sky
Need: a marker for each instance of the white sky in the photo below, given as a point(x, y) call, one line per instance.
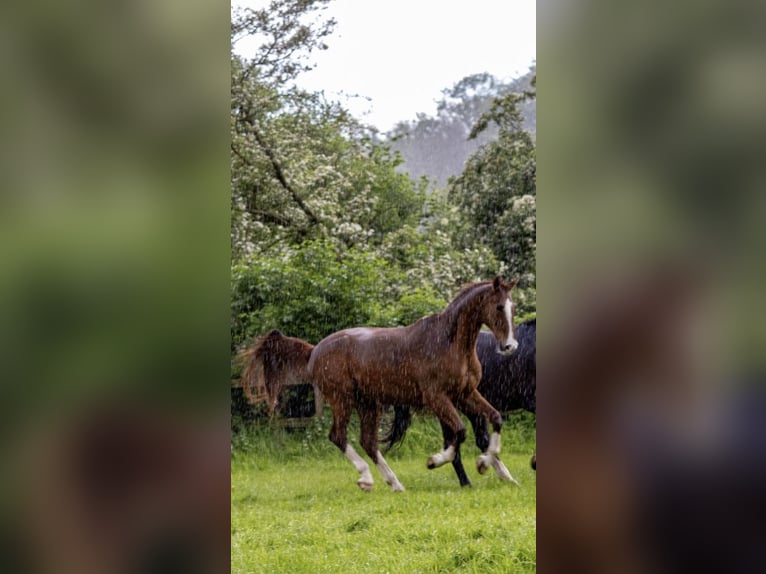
point(400, 54)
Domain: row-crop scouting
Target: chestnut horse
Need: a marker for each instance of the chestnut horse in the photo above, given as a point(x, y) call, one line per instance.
point(508, 382)
point(430, 364)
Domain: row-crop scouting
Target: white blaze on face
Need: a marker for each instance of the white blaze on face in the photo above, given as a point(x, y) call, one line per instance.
point(510, 343)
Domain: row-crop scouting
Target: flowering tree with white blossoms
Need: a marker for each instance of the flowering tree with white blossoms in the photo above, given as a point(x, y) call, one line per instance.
point(325, 232)
point(497, 194)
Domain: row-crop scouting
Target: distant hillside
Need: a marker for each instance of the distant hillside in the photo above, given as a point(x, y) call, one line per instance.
point(437, 147)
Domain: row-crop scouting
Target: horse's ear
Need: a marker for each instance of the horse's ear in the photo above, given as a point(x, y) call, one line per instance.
point(497, 282)
point(513, 283)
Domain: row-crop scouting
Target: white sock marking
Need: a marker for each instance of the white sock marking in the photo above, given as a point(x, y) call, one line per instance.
point(443, 457)
point(502, 471)
point(490, 458)
point(494, 443)
point(388, 474)
point(360, 465)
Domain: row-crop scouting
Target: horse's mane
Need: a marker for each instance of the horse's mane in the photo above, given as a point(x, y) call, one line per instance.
point(465, 288)
point(455, 307)
point(450, 313)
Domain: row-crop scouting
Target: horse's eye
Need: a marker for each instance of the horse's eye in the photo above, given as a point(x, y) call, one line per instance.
point(500, 308)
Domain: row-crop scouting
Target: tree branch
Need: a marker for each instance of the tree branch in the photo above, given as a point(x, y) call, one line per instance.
point(279, 174)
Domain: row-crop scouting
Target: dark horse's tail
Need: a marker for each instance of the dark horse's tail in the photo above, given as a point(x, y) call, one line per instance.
point(270, 363)
point(400, 424)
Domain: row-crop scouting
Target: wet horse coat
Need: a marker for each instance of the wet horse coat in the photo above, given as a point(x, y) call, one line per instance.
point(430, 364)
point(508, 382)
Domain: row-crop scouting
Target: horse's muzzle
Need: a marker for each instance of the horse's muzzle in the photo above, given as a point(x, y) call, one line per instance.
point(508, 349)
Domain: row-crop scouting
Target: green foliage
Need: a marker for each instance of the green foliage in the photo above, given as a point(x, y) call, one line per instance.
point(497, 191)
point(321, 287)
point(288, 32)
point(428, 258)
point(308, 292)
point(413, 305)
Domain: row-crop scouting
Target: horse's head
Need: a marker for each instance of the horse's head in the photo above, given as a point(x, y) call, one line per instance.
point(498, 314)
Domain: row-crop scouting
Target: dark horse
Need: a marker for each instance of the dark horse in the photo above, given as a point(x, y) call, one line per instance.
point(430, 364)
point(508, 382)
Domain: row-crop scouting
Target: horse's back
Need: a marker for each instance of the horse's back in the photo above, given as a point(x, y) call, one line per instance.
point(390, 365)
point(357, 354)
point(361, 343)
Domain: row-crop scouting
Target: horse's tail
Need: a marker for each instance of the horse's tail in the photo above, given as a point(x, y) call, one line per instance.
point(400, 424)
point(270, 363)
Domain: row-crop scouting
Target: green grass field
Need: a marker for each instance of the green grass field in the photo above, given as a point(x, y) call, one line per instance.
point(296, 507)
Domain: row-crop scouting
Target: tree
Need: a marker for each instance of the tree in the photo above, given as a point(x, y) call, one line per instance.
point(326, 232)
point(497, 190)
point(302, 168)
point(438, 147)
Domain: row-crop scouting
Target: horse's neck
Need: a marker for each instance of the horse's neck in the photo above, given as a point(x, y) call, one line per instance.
point(454, 329)
point(465, 325)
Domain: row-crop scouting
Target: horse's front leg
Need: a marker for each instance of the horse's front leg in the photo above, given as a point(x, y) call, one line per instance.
point(480, 431)
point(475, 404)
point(449, 418)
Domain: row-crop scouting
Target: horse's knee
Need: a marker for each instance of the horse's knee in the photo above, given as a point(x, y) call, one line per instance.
point(482, 440)
point(496, 420)
point(460, 435)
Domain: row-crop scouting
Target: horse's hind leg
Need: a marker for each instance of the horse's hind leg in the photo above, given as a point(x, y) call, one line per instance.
point(457, 463)
point(475, 404)
point(369, 419)
point(341, 414)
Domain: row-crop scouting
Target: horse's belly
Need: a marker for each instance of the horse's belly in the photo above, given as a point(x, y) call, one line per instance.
point(388, 387)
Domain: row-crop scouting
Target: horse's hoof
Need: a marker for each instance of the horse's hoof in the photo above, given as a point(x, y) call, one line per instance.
point(466, 484)
point(366, 486)
point(481, 465)
point(397, 487)
point(431, 464)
